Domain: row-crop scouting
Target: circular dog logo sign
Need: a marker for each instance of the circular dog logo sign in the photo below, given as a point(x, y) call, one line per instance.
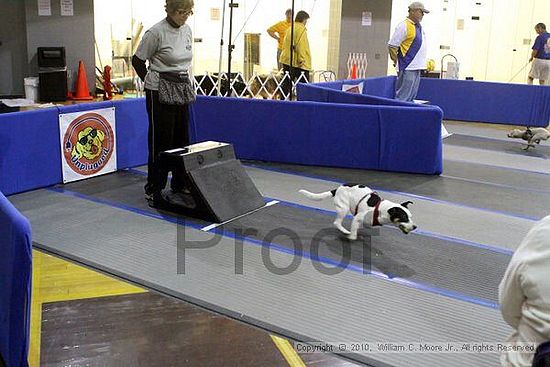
point(88, 144)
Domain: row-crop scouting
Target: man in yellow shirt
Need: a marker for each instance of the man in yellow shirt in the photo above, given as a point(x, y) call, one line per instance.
point(301, 58)
point(278, 31)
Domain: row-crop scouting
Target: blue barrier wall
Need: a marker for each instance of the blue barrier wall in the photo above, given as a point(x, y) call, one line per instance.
point(30, 151)
point(463, 100)
point(15, 284)
point(30, 155)
point(383, 86)
point(467, 100)
point(324, 134)
point(320, 93)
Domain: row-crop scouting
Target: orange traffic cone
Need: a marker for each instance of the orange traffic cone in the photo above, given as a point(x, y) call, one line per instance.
point(353, 71)
point(82, 93)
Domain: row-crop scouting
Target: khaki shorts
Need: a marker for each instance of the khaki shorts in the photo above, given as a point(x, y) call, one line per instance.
point(540, 69)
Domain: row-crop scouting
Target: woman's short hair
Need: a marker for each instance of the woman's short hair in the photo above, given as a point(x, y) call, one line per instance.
point(173, 5)
point(541, 26)
point(301, 16)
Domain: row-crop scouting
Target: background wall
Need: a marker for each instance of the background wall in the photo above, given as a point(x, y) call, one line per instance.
point(75, 33)
point(492, 39)
point(252, 16)
point(371, 39)
point(13, 47)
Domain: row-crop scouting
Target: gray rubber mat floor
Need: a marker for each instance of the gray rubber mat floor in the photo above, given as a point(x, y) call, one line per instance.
point(438, 284)
point(434, 218)
point(495, 158)
point(506, 199)
point(428, 261)
point(305, 304)
point(513, 146)
point(495, 176)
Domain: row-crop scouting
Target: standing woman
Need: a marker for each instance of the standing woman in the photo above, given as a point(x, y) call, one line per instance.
point(168, 90)
point(301, 57)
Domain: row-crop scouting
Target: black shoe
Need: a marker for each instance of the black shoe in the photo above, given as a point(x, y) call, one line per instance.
point(149, 192)
point(156, 200)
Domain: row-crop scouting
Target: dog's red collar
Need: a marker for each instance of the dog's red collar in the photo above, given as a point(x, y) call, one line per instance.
point(375, 214)
point(376, 211)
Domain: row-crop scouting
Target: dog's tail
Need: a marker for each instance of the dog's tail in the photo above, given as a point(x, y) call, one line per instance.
point(319, 196)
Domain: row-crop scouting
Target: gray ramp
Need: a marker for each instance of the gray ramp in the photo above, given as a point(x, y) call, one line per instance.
point(346, 307)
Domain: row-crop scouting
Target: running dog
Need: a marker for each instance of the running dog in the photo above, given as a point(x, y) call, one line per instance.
point(530, 135)
point(367, 208)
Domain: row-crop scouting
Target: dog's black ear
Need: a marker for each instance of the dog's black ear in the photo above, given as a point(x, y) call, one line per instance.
point(406, 203)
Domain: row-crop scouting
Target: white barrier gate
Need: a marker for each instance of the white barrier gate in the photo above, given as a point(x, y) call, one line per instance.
point(361, 63)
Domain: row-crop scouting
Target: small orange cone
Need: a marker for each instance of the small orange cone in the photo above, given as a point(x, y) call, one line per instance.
point(82, 93)
point(353, 71)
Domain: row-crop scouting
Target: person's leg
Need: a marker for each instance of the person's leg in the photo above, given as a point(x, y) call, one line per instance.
point(149, 101)
point(287, 81)
point(405, 85)
point(532, 73)
point(302, 75)
point(160, 132)
point(415, 75)
point(279, 65)
point(295, 76)
point(180, 139)
point(398, 84)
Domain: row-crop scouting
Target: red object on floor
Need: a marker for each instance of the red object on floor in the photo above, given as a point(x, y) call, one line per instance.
point(107, 87)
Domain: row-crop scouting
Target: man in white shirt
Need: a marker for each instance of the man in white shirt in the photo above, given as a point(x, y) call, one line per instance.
point(408, 50)
point(524, 294)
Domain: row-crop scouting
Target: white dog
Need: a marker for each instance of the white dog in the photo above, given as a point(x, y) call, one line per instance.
point(366, 207)
point(530, 135)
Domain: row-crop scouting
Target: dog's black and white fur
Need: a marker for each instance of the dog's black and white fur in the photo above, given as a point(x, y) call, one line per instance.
point(367, 208)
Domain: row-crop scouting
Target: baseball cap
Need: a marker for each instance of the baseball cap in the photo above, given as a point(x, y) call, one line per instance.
point(418, 5)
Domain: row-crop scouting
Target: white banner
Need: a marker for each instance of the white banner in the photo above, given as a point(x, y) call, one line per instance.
point(88, 143)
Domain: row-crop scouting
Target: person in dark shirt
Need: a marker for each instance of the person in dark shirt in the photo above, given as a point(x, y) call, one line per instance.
point(540, 57)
